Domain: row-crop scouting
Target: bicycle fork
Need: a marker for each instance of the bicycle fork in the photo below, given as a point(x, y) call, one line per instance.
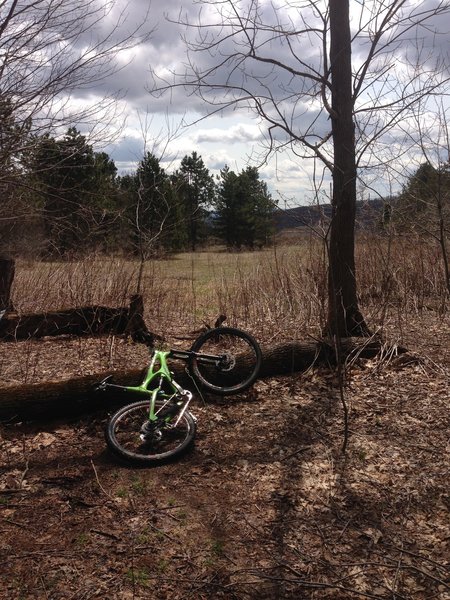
point(186, 396)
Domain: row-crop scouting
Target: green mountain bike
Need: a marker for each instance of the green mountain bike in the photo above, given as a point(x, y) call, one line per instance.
point(160, 426)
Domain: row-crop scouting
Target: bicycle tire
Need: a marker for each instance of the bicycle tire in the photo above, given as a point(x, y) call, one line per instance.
point(123, 431)
point(240, 368)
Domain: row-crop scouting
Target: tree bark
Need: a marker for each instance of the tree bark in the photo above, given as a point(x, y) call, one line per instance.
point(344, 316)
point(82, 321)
point(74, 396)
point(7, 269)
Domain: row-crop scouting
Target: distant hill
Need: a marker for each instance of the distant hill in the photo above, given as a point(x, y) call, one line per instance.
point(368, 214)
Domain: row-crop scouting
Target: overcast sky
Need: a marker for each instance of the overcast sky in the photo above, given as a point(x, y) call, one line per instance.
point(233, 138)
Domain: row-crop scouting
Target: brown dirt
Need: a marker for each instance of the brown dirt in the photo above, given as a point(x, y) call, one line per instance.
point(264, 507)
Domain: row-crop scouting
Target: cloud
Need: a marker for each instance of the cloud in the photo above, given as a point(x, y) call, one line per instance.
point(233, 135)
point(234, 79)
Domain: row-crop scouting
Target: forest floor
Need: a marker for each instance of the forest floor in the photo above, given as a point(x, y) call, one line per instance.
point(265, 506)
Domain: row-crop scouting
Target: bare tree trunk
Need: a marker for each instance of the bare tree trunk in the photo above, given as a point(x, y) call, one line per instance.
point(7, 269)
point(344, 317)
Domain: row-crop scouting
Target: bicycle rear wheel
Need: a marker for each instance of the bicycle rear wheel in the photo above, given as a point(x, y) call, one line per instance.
point(131, 436)
point(226, 360)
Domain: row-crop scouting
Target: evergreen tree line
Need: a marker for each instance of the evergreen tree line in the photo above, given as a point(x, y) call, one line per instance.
point(80, 203)
point(423, 206)
point(60, 198)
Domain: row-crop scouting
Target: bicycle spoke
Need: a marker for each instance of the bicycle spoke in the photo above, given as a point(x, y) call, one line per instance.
point(132, 436)
point(226, 360)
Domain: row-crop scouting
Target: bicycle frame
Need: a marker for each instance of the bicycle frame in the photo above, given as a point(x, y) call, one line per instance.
point(160, 426)
point(157, 370)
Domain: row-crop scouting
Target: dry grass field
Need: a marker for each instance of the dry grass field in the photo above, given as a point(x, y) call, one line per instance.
point(266, 506)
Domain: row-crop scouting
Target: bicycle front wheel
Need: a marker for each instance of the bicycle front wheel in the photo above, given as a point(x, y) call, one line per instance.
point(132, 437)
point(225, 360)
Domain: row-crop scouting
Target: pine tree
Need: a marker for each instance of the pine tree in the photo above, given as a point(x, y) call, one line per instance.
point(259, 207)
point(244, 209)
point(153, 209)
point(196, 190)
point(14, 205)
point(425, 190)
point(78, 191)
point(64, 172)
point(105, 205)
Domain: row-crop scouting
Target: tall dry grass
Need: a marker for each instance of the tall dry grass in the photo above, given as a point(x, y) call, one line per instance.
point(278, 293)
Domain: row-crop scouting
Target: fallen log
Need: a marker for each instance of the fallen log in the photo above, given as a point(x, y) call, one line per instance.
point(299, 356)
point(82, 321)
point(61, 398)
point(75, 396)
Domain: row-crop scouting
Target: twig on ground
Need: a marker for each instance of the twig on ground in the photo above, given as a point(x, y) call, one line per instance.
point(100, 485)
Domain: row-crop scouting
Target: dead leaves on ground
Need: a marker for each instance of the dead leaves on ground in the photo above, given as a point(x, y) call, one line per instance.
point(265, 507)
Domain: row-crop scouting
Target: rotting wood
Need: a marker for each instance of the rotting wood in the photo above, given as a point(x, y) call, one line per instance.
point(57, 398)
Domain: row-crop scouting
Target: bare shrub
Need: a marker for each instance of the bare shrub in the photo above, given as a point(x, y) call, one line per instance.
point(278, 293)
